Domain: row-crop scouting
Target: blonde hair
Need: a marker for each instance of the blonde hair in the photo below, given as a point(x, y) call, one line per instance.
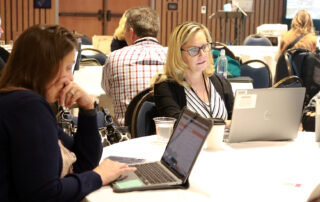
point(175, 68)
point(121, 29)
point(302, 22)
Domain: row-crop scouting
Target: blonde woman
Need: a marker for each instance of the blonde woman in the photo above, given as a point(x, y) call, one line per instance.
point(118, 40)
point(189, 78)
point(301, 24)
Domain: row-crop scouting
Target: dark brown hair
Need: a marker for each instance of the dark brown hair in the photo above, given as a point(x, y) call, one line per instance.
point(36, 56)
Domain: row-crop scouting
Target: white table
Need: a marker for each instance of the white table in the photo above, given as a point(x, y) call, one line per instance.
point(268, 54)
point(89, 78)
point(250, 171)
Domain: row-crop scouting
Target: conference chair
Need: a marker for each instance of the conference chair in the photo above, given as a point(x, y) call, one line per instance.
point(259, 71)
point(98, 58)
point(257, 40)
point(142, 120)
point(130, 109)
point(289, 82)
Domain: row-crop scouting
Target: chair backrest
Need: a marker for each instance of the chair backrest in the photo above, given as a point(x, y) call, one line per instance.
point(259, 71)
point(130, 109)
point(89, 62)
point(92, 56)
point(142, 120)
point(257, 40)
point(290, 63)
point(289, 82)
point(304, 64)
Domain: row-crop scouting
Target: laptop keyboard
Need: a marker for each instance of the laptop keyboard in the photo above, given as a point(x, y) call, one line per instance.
point(152, 173)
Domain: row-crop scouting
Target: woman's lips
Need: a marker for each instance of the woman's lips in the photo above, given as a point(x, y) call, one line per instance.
point(200, 63)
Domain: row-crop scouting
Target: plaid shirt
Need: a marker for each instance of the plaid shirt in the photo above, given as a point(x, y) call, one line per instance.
point(128, 71)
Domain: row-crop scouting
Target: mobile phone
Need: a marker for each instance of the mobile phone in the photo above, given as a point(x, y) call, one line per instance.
point(127, 160)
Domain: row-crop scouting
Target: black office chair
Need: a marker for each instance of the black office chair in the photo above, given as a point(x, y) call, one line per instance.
point(130, 109)
point(142, 120)
point(257, 40)
point(260, 75)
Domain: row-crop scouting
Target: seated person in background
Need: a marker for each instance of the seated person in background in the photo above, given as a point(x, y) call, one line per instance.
point(301, 24)
point(119, 40)
point(130, 69)
point(189, 78)
point(39, 162)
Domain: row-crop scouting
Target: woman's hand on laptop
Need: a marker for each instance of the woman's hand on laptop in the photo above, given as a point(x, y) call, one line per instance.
point(111, 170)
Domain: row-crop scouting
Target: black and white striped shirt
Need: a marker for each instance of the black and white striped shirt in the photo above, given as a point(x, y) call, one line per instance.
point(195, 104)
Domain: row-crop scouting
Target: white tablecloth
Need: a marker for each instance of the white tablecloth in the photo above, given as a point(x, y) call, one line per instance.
point(251, 171)
point(89, 78)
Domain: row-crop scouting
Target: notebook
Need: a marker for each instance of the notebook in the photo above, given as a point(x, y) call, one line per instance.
point(175, 166)
point(266, 114)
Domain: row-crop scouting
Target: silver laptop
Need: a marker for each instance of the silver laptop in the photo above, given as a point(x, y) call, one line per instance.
point(177, 161)
point(266, 114)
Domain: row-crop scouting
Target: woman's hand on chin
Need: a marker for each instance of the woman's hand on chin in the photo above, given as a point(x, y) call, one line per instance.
point(72, 93)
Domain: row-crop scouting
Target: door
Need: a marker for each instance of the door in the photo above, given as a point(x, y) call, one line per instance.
point(94, 17)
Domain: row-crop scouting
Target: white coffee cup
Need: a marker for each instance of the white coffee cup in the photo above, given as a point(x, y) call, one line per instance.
point(214, 140)
point(164, 127)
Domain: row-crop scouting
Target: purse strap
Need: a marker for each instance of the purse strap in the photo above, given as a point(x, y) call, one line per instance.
point(286, 54)
point(295, 41)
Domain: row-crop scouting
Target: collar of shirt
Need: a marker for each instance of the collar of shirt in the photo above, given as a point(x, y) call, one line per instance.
point(148, 39)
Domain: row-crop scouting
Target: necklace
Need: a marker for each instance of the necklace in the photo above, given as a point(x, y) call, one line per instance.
point(204, 105)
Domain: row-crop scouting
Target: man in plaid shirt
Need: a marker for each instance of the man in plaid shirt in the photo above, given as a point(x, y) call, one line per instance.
point(128, 71)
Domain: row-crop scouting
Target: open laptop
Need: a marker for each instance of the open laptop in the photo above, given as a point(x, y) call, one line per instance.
point(175, 166)
point(266, 114)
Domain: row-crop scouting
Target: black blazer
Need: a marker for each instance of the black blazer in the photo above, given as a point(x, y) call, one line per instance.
point(170, 96)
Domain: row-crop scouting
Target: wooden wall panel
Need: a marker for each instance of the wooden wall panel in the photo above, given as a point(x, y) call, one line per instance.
point(265, 12)
point(18, 15)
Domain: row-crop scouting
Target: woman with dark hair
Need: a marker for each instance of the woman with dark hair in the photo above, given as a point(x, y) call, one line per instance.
point(39, 162)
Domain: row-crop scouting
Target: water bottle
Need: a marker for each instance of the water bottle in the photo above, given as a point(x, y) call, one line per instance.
point(222, 64)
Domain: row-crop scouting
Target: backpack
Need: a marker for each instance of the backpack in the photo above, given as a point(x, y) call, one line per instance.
point(304, 64)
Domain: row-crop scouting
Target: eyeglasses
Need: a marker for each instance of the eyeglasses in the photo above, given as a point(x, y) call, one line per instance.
point(196, 50)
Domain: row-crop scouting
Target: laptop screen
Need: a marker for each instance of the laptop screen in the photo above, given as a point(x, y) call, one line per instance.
point(76, 65)
point(186, 142)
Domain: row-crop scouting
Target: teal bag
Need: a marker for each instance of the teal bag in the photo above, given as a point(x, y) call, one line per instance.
point(234, 69)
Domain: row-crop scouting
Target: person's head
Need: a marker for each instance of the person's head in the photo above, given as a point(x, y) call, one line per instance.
point(141, 22)
point(302, 22)
point(184, 53)
point(1, 30)
point(40, 56)
point(119, 33)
